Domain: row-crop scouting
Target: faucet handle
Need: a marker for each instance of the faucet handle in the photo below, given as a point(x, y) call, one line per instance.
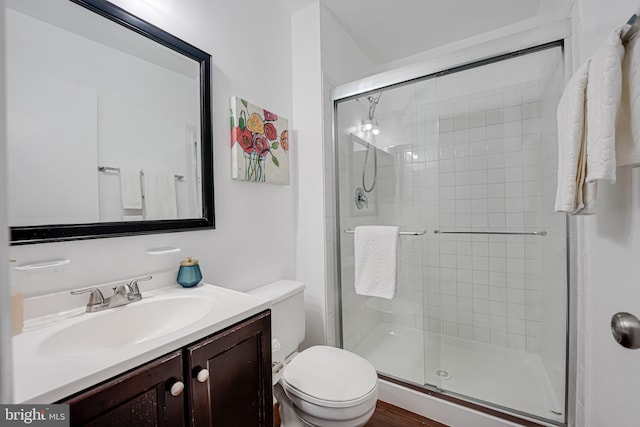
point(134, 284)
point(95, 298)
point(122, 289)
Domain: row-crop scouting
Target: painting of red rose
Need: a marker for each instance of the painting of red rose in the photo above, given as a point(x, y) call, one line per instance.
point(259, 144)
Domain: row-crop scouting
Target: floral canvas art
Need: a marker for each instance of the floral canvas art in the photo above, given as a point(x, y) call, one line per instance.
point(259, 144)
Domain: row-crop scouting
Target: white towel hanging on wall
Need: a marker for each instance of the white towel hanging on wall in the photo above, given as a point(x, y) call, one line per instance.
point(130, 189)
point(604, 89)
point(572, 154)
point(628, 124)
point(159, 195)
point(586, 116)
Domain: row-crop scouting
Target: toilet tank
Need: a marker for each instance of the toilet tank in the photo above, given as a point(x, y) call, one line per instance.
point(287, 312)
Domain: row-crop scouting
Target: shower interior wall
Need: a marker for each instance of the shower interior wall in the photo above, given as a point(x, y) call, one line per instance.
point(478, 160)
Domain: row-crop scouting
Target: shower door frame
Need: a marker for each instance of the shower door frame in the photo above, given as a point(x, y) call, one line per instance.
point(505, 413)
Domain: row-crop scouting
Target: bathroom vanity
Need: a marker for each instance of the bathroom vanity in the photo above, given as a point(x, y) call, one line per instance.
point(179, 357)
point(224, 379)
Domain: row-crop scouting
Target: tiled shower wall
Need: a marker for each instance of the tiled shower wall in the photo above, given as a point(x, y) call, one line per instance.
point(489, 180)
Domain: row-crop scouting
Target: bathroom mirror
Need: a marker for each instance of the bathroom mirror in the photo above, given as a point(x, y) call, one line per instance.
point(108, 124)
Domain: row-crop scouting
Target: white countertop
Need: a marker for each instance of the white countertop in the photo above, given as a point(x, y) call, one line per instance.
point(42, 378)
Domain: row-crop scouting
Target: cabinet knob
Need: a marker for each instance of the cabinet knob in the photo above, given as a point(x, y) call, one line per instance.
point(203, 375)
point(177, 388)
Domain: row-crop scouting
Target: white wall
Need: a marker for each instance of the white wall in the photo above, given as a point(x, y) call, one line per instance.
point(609, 263)
point(331, 289)
point(254, 239)
point(323, 55)
point(307, 105)
point(6, 385)
point(342, 58)
point(41, 151)
point(342, 61)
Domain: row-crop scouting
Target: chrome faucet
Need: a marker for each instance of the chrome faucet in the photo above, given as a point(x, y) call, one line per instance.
point(122, 295)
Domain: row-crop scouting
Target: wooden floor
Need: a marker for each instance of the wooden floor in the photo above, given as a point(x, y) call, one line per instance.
point(387, 415)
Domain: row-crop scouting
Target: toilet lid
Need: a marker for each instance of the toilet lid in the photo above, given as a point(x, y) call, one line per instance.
point(330, 375)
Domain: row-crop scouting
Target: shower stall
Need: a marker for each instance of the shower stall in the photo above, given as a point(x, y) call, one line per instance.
point(464, 163)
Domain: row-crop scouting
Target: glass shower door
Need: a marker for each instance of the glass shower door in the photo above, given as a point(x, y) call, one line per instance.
point(469, 157)
point(502, 248)
point(379, 172)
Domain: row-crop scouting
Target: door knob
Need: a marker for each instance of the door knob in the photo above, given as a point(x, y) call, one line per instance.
point(625, 328)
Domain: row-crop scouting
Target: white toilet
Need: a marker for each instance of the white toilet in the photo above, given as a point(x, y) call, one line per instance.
point(321, 386)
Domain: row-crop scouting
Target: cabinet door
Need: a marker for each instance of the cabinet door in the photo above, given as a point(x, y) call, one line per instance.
point(140, 398)
point(238, 389)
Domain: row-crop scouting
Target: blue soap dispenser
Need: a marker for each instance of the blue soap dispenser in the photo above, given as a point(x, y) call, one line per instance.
point(189, 274)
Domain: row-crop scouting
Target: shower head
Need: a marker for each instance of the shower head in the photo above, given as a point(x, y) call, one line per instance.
point(371, 125)
point(373, 103)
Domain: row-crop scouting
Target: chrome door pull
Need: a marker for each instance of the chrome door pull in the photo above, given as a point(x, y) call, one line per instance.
point(625, 328)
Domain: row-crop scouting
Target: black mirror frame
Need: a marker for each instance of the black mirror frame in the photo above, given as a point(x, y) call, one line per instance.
point(64, 232)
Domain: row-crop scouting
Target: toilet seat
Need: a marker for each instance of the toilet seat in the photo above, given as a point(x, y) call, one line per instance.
point(292, 391)
point(330, 377)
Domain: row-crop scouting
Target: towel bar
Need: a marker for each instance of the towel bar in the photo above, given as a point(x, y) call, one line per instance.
point(108, 169)
point(38, 265)
point(402, 233)
point(112, 169)
point(502, 233)
point(630, 29)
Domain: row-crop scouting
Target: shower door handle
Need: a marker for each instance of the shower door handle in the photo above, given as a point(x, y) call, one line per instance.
point(625, 328)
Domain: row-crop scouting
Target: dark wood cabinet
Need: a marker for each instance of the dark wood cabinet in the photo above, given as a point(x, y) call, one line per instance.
point(141, 397)
point(238, 390)
point(226, 378)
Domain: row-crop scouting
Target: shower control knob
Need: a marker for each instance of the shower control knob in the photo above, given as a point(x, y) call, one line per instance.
point(361, 199)
point(625, 328)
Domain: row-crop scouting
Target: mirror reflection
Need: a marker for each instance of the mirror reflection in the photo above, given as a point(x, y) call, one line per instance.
point(104, 124)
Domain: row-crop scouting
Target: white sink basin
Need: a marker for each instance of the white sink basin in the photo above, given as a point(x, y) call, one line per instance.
point(127, 325)
point(60, 353)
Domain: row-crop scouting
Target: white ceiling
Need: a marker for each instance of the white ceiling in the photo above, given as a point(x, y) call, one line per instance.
point(389, 30)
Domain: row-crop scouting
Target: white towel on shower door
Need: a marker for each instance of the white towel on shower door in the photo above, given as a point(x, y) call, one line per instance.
point(376, 254)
